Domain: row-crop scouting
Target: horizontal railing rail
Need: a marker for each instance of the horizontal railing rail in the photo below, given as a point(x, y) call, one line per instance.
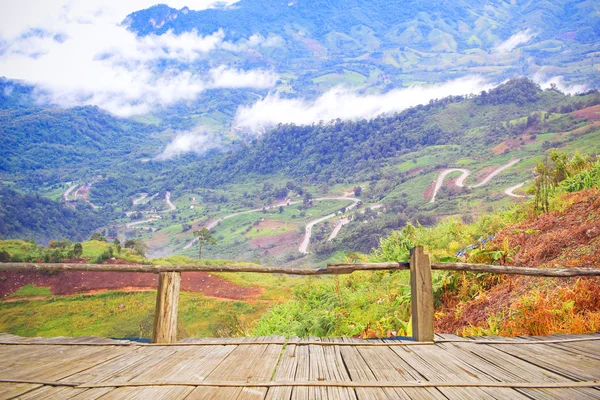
point(331, 269)
point(167, 298)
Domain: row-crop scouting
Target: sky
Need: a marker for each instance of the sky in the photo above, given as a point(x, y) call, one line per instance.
point(79, 53)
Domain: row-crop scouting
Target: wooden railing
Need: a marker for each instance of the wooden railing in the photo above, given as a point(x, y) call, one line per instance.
point(169, 282)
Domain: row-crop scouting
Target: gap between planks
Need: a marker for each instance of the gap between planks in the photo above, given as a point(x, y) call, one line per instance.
point(349, 384)
point(308, 342)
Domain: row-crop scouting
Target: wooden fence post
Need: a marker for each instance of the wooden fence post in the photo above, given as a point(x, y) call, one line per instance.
point(421, 294)
point(165, 314)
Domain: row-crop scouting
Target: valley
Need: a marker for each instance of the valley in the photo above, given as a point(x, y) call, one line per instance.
point(298, 134)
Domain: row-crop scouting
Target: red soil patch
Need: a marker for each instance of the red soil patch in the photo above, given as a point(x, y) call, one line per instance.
point(278, 243)
point(428, 193)
point(566, 238)
point(482, 173)
point(83, 192)
point(451, 187)
point(591, 113)
point(414, 171)
point(512, 144)
point(71, 282)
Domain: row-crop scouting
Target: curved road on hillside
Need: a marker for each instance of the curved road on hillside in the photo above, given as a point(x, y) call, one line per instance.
point(168, 201)
point(510, 191)
point(69, 190)
point(465, 173)
point(308, 231)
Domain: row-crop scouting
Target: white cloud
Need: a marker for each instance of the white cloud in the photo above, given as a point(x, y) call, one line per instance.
point(198, 141)
point(78, 53)
point(19, 16)
point(512, 42)
point(223, 77)
point(347, 104)
point(558, 82)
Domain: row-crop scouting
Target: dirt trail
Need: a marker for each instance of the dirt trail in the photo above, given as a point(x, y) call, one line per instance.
point(464, 174)
point(168, 201)
point(338, 226)
point(69, 190)
point(142, 197)
point(308, 231)
point(510, 190)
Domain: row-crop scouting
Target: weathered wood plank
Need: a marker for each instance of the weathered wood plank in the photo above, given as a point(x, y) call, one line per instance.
point(359, 370)
point(421, 295)
point(245, 363)
point(576, 367)
point(12, 390)
point(332, 269)
point(434, 370)
point(286, 371)
point(167, 304)
point(386, 366)
point(537, 367)
point(508, 368)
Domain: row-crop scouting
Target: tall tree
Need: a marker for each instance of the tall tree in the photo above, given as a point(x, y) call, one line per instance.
point(204, 238)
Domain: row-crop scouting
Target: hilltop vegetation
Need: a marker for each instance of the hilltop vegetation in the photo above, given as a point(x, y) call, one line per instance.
point(372, 304)
point(393, 158)
point(31, 216)
point(378, 304)
point(385, 44)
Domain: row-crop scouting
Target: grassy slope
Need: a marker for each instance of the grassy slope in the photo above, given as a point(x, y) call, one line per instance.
point(129, 314)
point(377, 304)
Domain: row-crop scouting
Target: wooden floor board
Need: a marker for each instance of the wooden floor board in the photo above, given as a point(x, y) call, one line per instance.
point(475, 361)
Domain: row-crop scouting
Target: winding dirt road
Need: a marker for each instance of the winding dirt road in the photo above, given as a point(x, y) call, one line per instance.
point(142, 197)
point(343, 221)
point(465, 173)
point(510, 191)
point(168, 201)
point(69, 190)
point(308, 231)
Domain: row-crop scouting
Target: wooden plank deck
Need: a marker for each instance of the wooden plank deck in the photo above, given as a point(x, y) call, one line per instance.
point(553, 367)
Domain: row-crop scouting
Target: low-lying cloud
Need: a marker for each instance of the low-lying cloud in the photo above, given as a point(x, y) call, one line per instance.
point(80, 54)
point(223, 77)
point(348, 104)
point(559, 83)
point(199, 141)
point(515, 40)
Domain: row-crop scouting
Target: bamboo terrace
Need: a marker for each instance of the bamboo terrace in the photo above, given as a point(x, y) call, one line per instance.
point(430, 366)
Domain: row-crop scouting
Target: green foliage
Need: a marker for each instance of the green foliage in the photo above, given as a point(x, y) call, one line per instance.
point(519, 91)
point(559, 172)
point(98, 236)
point(584, 179)
point(137, 245)
point(77, 250)
point(36, 217)
point(204, 238)
point(32, 290)
point(4, 256)
point(34, 139)
point(345, 305)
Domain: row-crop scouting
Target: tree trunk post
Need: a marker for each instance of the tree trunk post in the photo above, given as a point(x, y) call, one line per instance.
point(165, 314)
point(421, 294)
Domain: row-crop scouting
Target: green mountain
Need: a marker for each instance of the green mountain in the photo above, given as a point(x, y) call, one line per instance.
point(386, 44)
point(31, 216)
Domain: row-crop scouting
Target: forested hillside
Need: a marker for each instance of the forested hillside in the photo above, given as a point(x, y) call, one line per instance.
point(566, 234)
point(385, 44)
point(31, 216)
point(347, 151)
